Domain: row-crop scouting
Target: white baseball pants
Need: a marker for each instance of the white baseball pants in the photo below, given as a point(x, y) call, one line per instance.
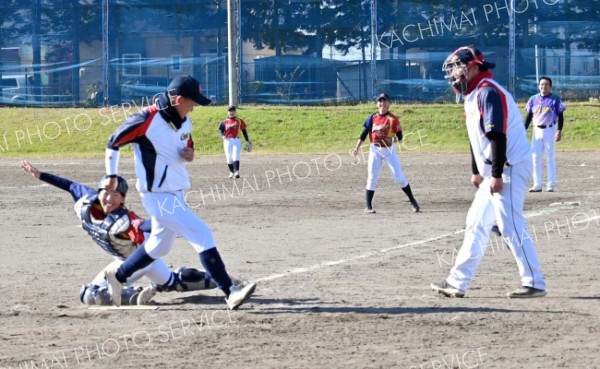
point(543, 144)
point(506, 208)
point(172, 217)
point(233, 149)
point(158, 272)
point(377, 155)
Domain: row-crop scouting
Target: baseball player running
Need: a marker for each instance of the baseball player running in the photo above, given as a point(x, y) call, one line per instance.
point(119, 231)
point(229, 129)
point(501, 167)
point(383, 129)
point(162, 145)
point(544, 109)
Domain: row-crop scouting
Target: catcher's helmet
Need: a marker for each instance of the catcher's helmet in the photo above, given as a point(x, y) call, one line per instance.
point(122, 185)
point(456, 65)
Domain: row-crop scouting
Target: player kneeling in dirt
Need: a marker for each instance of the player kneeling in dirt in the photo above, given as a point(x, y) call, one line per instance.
point(119, 231)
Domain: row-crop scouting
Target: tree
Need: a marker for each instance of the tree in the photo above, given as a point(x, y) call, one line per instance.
point(13, 22)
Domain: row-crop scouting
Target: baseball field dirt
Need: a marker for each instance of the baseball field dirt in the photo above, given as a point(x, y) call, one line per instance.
point(336, 288)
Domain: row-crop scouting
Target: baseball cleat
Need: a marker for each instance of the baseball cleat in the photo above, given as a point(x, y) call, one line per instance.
point(114, 286)
point(550, 189)
point(447, 290)
point(415, 207)
point(369, 211)
point(146, 295)
point(237, 175)
point(239, 294)
point(230, 175)
point(526, 292)
point(535, 189)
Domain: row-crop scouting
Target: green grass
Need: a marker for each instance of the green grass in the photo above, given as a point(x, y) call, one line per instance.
point(39, 132)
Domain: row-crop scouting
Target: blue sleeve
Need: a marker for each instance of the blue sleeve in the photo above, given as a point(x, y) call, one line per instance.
point(368, 126)
point(77, 190)
point(491, 106)
point(530, 102)
point(559, 106)
point(146, 226)
point(222, 128)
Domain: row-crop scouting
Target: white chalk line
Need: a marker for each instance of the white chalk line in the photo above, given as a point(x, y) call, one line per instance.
point(398, 247)
point(355, 258)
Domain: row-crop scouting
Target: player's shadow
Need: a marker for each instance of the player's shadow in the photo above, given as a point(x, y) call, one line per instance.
point(274, 306)
point(200, 299)
point(195, 300)
point(586, 298)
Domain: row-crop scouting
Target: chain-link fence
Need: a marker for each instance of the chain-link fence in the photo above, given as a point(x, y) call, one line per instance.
point(101, 52)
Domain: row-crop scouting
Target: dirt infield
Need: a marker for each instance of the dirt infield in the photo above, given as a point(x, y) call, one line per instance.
point(337, 288)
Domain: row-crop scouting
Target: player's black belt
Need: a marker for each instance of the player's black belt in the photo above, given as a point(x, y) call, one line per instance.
point(543, 127)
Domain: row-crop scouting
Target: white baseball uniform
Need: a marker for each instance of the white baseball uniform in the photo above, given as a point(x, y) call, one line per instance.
point(489, 107)
point(161, 179)
point(545, 111)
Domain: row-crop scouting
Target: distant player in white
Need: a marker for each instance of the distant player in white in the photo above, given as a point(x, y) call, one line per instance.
point(502, 168)
point(162, 145)
point(384, 130)
point(545, 110)
point(229, 129)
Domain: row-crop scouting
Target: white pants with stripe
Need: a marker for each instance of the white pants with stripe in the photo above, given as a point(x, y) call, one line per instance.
point(172, 217)
point(233, 149)
point(377, 156)
point(506, 208)
point(543, 144)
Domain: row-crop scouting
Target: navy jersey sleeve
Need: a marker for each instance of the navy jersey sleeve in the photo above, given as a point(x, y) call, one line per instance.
point(222, 128)
point(368, 126)
point(77, 190)
point(492, 108)
point(132, 130)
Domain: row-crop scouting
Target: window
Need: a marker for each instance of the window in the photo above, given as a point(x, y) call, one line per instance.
point(9, 83)
point(175, 63)
point(132, 64)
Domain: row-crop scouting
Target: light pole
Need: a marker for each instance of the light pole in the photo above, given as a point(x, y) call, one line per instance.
point(232, 51)
point(536, 52)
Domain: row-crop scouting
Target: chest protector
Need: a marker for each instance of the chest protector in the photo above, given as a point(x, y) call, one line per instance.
point(100, 230)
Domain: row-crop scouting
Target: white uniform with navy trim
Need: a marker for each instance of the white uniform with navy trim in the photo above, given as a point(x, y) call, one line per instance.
point(490, 107)
point(161, 178)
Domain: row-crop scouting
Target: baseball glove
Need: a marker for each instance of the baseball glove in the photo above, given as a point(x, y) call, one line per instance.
point(248, 146)
point(117, 233)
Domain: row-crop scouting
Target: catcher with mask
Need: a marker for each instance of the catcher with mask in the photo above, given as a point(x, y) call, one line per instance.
point(119, 231)
point(501, 168)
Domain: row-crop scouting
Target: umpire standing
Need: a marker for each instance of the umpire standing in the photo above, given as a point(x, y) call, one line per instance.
point(501, 170)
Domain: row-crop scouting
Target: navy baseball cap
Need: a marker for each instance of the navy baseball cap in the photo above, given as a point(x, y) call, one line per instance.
point(231, 107)
point(122, 185)
point(187, 86)
point(383, 96)
point(469, 54)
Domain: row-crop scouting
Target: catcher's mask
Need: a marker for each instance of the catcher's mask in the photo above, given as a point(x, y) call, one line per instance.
point(122, 185)
point(456, 65)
